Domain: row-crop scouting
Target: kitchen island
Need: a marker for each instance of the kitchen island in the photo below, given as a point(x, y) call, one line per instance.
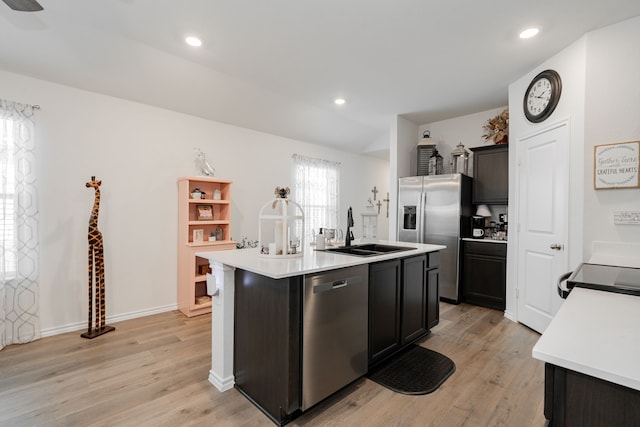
point(591, 351)
point(269, 340)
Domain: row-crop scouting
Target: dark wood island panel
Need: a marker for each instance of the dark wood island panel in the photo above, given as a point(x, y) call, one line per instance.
point(573, 399)
point(267, 343)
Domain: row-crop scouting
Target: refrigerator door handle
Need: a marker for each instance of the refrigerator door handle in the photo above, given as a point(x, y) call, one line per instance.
point(423, 217)
point(419, 218)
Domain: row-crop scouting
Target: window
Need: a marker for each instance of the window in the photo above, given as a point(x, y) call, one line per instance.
point(7, 195)
point(19, 252)
point(316, 189)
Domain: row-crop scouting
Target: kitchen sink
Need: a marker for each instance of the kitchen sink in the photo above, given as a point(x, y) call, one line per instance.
point(367, 249)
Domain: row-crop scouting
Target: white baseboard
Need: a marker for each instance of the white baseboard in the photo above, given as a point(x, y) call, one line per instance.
point(222, 384)
point(509, 315)
point(110, 319)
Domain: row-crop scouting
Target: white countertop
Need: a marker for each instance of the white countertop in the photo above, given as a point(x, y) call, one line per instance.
point(596, 333)
point(311, 262)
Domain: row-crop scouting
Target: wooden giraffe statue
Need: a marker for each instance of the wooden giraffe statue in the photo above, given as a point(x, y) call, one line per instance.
point(96, 270)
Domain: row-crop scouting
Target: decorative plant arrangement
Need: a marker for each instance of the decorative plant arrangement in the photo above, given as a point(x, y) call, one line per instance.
point(497, 128)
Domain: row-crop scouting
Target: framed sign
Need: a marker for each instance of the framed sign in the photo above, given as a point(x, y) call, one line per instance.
point(616, 165)
point(198, 235)
point(204, 213)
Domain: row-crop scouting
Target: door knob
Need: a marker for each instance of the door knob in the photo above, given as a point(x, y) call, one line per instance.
point(556, 246)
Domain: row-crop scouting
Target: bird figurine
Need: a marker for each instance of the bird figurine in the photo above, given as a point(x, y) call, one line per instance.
point(202, 164)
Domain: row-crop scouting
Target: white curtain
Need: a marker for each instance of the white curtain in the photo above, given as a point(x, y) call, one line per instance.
point(317, 190)
point(19, 295)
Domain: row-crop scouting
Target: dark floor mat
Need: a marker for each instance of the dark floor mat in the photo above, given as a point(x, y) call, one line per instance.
point(417, 370)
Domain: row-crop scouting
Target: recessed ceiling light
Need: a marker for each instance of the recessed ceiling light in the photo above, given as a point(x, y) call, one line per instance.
point(529, 32)
point(193, 41)
point(339, 101)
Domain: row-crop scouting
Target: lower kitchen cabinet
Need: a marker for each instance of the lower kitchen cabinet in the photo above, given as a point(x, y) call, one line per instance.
point(484, 273)
point(433, 291)
point(414, 298)
point(270, 346)
point(384, 309)
point(573, 399)
point(267, 356)
point(403, 303)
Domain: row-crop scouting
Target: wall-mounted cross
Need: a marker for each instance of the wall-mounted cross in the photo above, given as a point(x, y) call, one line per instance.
point(375, 192)
point(386, 200)
point(378, 205)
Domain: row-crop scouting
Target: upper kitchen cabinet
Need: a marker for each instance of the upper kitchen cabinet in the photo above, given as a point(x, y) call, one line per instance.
point(491, 174)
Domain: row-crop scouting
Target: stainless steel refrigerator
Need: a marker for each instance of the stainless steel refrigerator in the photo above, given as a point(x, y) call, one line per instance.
point(437, 209)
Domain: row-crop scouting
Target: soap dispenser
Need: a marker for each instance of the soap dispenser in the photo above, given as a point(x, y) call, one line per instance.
point(320, 241)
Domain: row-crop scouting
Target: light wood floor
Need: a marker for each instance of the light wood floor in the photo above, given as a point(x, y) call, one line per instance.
point(153, 371)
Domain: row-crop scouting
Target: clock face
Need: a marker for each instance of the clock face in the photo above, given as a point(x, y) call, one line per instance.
point(542, 96)
point(539, 97)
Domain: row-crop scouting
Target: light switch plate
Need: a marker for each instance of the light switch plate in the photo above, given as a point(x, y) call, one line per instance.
point(626, 217)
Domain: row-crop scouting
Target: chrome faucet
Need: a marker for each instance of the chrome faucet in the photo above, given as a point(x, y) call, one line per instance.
point(349, 233)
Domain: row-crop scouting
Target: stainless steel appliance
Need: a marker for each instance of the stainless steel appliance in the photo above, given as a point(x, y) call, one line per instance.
point(609, 278)
point(437, 210)
point(335, 331)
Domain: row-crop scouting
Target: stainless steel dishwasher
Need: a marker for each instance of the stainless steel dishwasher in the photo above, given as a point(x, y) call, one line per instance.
point(335, 331)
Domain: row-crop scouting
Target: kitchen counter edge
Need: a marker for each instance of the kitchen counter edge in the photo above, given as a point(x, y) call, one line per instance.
point(311, 262)
point(595, 333)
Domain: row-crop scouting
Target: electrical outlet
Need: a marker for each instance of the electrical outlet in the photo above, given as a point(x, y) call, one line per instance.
point(626, 218)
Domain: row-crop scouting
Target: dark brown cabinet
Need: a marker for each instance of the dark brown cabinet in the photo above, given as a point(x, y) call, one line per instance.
point(433, 295)
point(269, 337)
point(403, 303)
point(384, 309)
point(414, 298)
point(484, 274)
point(573, 399)
point(491, 174)
point(267, 342)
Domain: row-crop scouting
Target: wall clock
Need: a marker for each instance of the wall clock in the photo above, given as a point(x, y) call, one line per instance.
point(542, 96)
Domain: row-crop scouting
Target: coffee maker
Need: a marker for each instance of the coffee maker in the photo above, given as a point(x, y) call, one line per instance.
point(477, 227)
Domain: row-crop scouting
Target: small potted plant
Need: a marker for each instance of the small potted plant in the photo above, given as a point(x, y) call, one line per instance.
point(212, 236)
point(497, 128)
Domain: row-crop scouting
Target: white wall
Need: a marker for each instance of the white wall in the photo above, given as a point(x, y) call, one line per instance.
point(612, 115)
point(138, 152)
point(570, 64)
point(447, 134)
point(402, 145)
point(600, 99)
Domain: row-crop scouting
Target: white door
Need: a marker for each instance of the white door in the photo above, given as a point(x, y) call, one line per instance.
point(543, 180)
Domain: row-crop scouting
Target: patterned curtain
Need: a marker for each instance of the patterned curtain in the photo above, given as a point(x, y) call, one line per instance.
point(19, 295)
point(317, 190)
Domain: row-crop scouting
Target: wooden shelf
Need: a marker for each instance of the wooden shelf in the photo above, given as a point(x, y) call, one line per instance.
point(214, 222)
point(209, 202)
point(192, 284)
point(208, 243)
point(201, 306)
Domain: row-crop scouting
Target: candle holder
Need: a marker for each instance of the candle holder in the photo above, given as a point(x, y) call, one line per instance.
point(281, 227)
